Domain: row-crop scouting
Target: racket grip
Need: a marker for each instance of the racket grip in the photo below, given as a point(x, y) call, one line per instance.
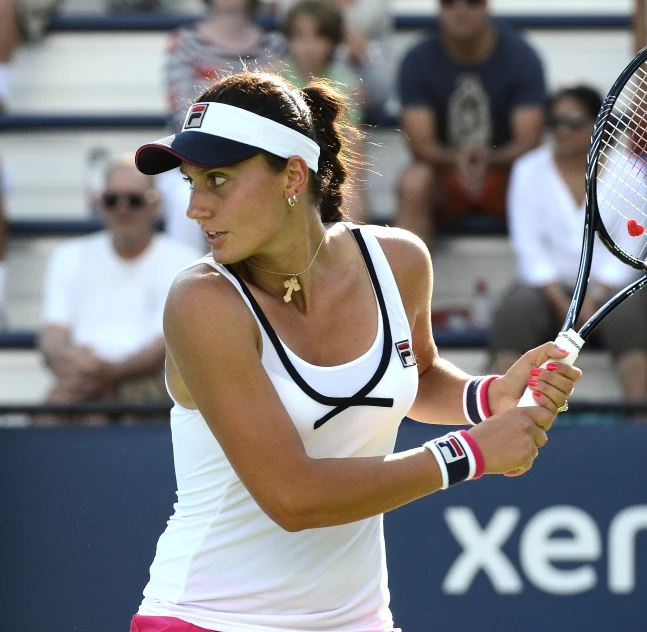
point(569, 340)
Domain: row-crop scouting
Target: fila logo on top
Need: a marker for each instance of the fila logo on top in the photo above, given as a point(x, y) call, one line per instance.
point(406, 355)
point(195, 115)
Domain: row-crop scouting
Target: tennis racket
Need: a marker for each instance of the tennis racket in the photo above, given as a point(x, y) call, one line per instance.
point(616, 200)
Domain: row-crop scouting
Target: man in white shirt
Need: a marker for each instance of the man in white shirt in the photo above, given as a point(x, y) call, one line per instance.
point(104, 297)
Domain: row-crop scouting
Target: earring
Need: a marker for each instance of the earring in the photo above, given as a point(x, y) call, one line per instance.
point(292, 200)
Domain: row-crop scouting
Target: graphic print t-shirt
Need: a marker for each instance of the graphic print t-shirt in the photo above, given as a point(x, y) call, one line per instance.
point(473, 104)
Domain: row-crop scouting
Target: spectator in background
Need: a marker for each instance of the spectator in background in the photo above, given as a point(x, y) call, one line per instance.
point(365, 48)
point(546, 209)
point(104, 296)
point(225, 42)
point(20, 20)
point(472, 102)
point(3, 245)
point(314, 29)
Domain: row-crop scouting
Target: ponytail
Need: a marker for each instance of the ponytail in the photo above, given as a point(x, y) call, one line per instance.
point(328, 109)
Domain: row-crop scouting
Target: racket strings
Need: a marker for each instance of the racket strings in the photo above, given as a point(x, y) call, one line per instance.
point(622, 168)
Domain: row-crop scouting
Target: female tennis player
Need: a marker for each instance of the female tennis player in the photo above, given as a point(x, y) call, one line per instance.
point(294, 350)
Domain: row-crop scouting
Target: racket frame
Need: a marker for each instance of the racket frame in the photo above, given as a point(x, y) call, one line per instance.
point(593, 223)
point(569, 339)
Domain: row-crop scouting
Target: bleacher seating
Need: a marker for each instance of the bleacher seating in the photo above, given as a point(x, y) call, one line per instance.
point(96, 81)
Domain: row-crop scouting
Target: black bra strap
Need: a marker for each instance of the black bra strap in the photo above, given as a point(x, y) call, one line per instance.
point(340, 403)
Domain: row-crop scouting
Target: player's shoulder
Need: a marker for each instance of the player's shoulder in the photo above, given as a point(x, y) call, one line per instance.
point(406, 253)
point(197, 282)
point(202, 292)
point(204, 310)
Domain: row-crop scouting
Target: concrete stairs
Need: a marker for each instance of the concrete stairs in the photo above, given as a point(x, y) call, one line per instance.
point(104, 73)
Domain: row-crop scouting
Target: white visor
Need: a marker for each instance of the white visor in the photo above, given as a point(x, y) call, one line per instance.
point(216, 135)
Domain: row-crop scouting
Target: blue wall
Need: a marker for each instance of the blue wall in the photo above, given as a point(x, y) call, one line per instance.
point(82, 510)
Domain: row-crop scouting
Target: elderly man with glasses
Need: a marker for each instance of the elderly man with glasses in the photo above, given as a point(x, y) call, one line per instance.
point(472, 102)
point(104, 297)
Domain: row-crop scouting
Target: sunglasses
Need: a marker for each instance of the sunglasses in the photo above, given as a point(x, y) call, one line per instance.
point(572, 121)
point(134, 201)
point(471, 3)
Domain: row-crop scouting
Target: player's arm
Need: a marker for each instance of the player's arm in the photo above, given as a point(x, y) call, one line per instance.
point(441, 384)
point(419, 125)
point(215, 345)
point(526, 126)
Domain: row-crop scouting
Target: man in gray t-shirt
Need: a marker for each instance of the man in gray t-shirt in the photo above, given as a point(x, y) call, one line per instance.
point(472, 102)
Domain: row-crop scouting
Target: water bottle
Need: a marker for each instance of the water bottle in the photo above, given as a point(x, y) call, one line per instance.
point(480, 312)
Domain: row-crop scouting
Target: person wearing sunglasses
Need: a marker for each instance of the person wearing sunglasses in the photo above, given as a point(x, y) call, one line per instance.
point(546, 216)
point(472, 102)
point(104, 295)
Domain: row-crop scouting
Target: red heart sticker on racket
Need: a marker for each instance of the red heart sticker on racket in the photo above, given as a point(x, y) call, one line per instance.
point(634, 228)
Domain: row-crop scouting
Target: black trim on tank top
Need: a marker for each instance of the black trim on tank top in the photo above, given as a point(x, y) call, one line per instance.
point(340, 403)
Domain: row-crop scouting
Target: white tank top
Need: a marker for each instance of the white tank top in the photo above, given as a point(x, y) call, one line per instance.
point(221, 563)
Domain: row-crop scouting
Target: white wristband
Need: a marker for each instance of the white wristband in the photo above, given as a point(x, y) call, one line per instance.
point(475, 401)
point(459, 457)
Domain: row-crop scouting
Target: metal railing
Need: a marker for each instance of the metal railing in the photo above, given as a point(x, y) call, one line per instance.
point(169, 21)
point(616, 412)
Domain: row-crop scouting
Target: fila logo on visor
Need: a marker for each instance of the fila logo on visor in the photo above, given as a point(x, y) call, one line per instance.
point(195, 116)
point(406, 355)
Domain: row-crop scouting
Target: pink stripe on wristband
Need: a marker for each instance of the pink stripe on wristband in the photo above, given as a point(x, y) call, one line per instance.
point(459, 457)
point(475, 398)
point(482, 395)
point(476, 452)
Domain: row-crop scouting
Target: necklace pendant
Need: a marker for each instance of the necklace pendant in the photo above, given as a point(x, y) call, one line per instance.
point(292, 285)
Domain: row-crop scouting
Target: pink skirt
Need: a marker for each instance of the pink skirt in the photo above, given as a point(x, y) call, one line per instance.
point(141, 623)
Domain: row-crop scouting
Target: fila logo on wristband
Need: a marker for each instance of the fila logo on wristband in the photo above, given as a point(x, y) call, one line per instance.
point(450, 449)
point(459, 457)
point(475, 400)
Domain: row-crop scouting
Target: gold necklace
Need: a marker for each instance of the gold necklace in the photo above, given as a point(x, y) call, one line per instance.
point(292, 284)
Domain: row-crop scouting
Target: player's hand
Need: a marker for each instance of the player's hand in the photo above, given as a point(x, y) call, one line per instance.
point(510, 441)
point(554, 383)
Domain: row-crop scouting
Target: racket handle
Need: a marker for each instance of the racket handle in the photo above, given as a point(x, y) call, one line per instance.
point(569, 340)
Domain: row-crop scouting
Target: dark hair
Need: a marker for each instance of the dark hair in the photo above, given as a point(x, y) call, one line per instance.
point(318, 111)
point(329, 17)
point(252, 5)
point(587, 96)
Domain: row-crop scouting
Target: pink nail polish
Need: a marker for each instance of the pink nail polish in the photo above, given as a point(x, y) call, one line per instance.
point(536, 393)
point(532, 382)
point(552, 366)
point(562, 350)
point(536, 372)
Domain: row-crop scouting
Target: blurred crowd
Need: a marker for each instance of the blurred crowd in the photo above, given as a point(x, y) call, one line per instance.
point(490, 151)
